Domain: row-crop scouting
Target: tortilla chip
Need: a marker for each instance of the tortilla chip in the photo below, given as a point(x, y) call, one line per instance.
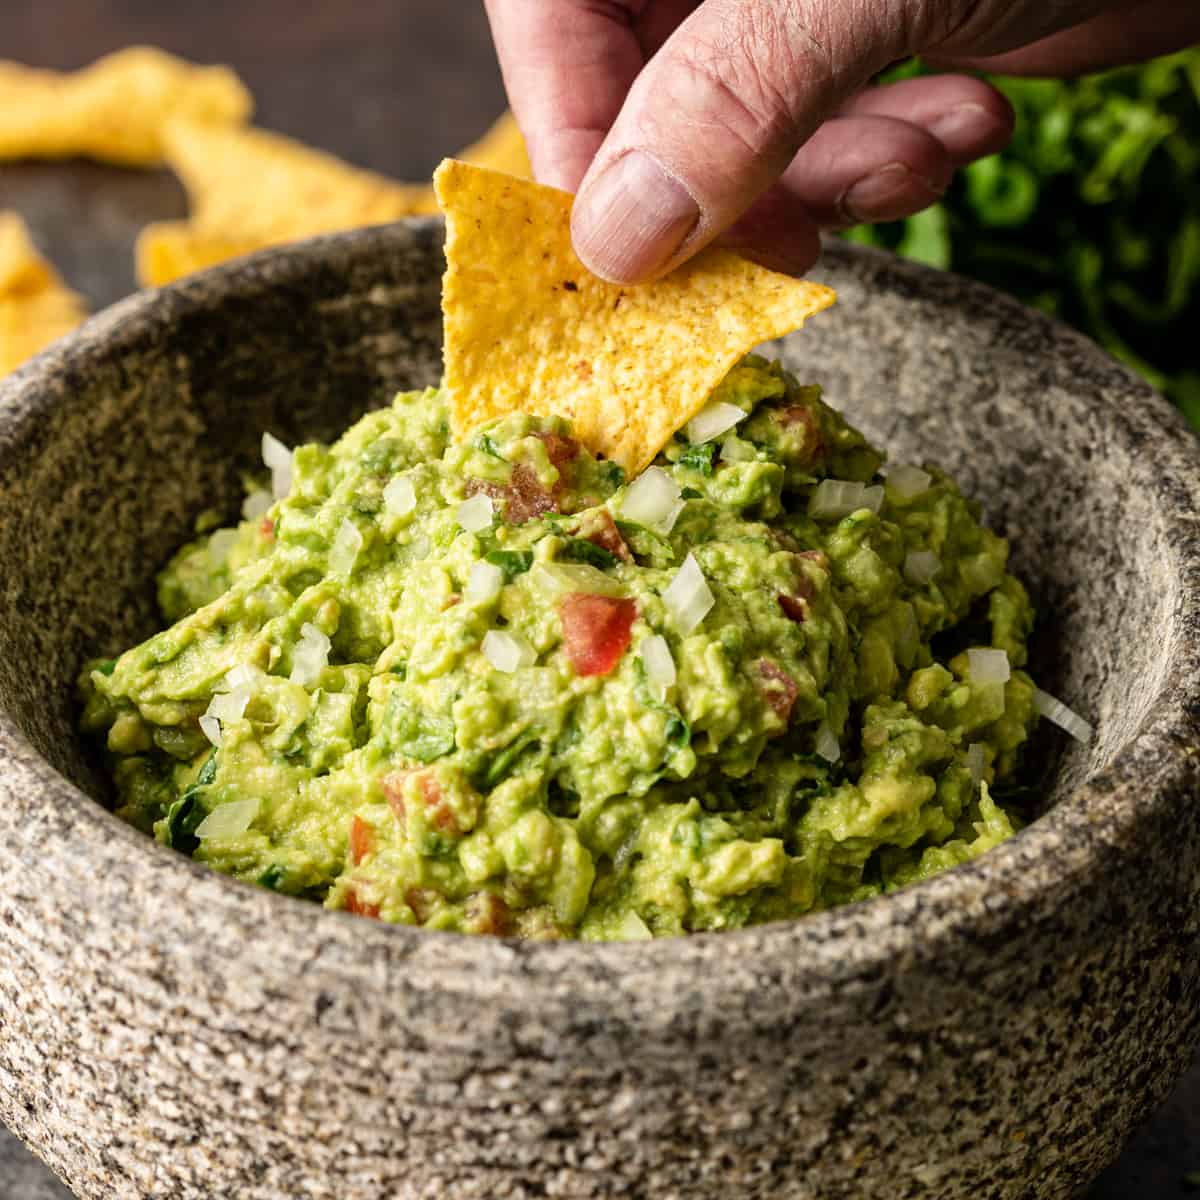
point(115, 110)
point(168, 250)
point(36, 307)
point(502, 148)
point(529, 329)
point(250, 189)
point(248, 185)
point(22, 268)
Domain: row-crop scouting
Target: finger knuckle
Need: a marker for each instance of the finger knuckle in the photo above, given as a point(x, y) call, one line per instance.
point(759, 74)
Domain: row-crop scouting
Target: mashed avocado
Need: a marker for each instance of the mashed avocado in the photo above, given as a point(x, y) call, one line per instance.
point(493, 687)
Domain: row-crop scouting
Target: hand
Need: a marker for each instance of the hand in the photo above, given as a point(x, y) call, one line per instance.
point(678, 121)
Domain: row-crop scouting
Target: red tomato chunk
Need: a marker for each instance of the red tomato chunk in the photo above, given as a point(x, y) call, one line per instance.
point(596, 631)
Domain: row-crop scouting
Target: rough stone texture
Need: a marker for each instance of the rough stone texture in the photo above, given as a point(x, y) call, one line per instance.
point(994, 1032)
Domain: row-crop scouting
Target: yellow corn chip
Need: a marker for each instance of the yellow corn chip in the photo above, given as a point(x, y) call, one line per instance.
point(115, 110)
point(22, 268)
point(251, 186)
point(529, 329)
point(502, 148)
point(168, 250)
point(35, 306)
point(250, 189)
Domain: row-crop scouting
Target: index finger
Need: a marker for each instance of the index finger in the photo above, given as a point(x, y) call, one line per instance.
point(567, 66)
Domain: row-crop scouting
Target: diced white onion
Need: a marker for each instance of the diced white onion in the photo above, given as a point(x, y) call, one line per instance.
point(827, 744)
point(687, 597)
point(1057, 712)
point(872, 498)
point(484, 582)
point(632, 929)
point(660, 666)
point(243, 676)
point(836, 498)
point(346, 545)
point(920, 566)
point(507, 651)
point(905, 481)
point(975, 762)
point(988, 666)
point(229, 706)
point(274, 453)
point(211, 728)
point(475, 515)
point(711, 422)
point(400, 497)
point(311, 655)
point(256, 505)
point(733, 449)
point(229, 820)
point(653, 500)
point(220, 545)
point(279, 458)
point(553, 580)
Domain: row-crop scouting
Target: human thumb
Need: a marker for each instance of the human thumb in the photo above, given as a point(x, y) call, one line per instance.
point(714, 119)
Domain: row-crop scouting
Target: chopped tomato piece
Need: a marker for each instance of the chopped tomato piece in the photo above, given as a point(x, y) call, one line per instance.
point(359, 907)
point(778, 687)
point(794, 608)
point(601, 530)
point(487, 913)
point(804, 421)
point(596, 631)
point(266, 527)
point(439, 812)
point(362, 839)
point(559, 448)
point(524, 497)
point(422, 901)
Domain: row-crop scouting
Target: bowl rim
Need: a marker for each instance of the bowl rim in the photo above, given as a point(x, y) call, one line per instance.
point(1044, 864)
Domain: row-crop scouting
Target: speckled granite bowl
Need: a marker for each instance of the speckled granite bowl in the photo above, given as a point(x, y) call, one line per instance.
point(995, 1032)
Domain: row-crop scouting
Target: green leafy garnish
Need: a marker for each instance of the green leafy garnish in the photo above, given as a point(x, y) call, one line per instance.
point(699, 457)
point(501, 766)
point(185, 815)
point(511, 562)
point(485, 443)
point(272, 877)
point(582, 551)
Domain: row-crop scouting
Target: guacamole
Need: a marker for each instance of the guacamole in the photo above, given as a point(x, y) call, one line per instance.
point(496, 687)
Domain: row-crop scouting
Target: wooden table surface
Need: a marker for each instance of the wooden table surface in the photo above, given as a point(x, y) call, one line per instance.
point(389, 84)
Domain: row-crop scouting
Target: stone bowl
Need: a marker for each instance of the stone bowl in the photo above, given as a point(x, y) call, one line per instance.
point(994, 1032)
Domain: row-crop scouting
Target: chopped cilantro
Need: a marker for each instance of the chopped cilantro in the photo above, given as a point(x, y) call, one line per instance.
point(582, 551)
point(485, 443)
point(699, 457)
point(511, 562)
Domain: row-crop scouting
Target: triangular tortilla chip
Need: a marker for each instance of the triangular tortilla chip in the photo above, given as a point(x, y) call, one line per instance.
point(248, 185)
point(250, 189)
point(168, 250)
point(22, 268)
point(35, 306)
point(115, 110)
point(502, 148)
point(529, 329)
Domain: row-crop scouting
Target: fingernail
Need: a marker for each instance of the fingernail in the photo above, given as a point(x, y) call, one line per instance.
point(965, 123)
point(630, 221)
point(888, 193)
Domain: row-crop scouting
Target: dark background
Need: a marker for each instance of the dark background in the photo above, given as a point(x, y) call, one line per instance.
point(393, 85)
